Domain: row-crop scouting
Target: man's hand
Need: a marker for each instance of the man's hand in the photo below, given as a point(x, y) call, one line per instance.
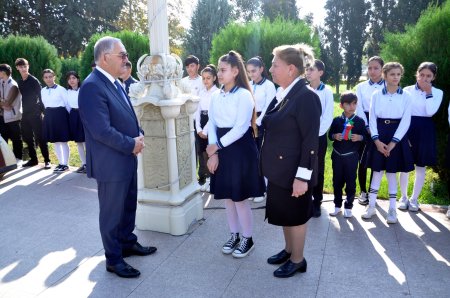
point(138, 145)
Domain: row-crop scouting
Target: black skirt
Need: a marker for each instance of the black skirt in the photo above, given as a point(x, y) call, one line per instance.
point(56, 125)
point(282, 209)
point(76, 127)
point(237, 177)
point(400, 158)
point(422, 136)
point(447, 153)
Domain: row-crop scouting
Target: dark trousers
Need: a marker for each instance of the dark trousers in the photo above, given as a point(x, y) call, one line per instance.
point(11, 131)
point(344, 173)
point(202, 158)
point(362, 169)
point(318, 189)
point(31, 134)
point(118, 201)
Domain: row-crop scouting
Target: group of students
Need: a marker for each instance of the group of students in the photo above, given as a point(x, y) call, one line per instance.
point(382, 127)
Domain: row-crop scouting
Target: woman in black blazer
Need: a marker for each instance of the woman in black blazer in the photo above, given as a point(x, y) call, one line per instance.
point(289, 154)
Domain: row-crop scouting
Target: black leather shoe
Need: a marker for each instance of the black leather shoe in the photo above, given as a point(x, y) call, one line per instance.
point(138, 250)
point(316, 211)
point(289, 268)
point(279, 258)
point(123, 270)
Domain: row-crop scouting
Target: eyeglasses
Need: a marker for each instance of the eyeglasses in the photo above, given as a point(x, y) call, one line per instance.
point(123, 56)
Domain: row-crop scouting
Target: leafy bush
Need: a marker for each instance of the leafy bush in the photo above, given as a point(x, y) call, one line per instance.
point(428, 40)
point(260, 38)
point(68, 64)
point(39, 53)
point(136, 45)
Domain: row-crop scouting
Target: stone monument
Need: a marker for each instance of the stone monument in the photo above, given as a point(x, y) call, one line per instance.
point(169, 198)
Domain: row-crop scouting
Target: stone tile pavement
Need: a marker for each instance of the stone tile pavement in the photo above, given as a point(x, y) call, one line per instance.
point(50, 247)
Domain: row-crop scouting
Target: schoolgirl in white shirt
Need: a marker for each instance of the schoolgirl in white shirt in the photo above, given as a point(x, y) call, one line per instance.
point(313, 75)
point(390, 117)
point(56, 119)
point(210, 82)
point(447, 157)
point(425, 101)
point(364, 93)
point(75, 125)
point(232, 151)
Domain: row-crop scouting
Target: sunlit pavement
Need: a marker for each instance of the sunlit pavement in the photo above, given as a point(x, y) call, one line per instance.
point(50, 247)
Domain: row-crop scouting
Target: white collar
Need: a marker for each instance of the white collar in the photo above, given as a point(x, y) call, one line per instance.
point(109, 76)
point(281, 93)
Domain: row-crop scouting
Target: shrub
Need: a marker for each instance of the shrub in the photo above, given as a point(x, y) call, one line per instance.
point(39, 53)
point(260, 38)
point(136, 45)
point(68, 64)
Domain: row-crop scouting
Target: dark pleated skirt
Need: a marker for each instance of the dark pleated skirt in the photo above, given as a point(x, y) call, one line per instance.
point(400, 158)
point(282, 209)
point(76, 127)
point(447, 153)
point(422, 136)
point(202, 143)
point(56, 125)
point(237, 177)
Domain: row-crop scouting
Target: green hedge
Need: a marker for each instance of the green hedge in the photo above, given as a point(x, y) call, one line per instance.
point(68, 64)
point(136, 45)
point(428, 40)
point(39, 53)
point(260, 38)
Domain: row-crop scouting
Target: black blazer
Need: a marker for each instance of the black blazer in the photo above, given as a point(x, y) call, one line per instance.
point(291, 137)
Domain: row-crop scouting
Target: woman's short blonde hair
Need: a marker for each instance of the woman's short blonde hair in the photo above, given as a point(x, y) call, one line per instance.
point(392, 65)
point(300, 55)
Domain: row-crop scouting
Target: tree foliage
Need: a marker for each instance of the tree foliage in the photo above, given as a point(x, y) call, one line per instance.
point(136, 45)
point(428, 40)
point(39, 53)
point(260, 38)
point(208, 18)
point(280, 8)
point(67, 23)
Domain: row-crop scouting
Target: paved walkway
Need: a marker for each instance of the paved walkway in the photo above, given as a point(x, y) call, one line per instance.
point(50, 247)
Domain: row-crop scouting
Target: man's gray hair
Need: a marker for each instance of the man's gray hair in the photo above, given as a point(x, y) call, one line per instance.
point(104, 45)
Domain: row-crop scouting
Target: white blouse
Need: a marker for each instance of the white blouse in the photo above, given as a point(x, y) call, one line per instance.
point(233, 109)
point(364, 93)
point(55, 96)
point(386, 105)
point(327, 102)
point(422, 104)
point(203, 105)
point(263, 92)
point(72, 98)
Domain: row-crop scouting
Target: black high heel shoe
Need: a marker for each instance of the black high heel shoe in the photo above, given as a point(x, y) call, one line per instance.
point(289, 269)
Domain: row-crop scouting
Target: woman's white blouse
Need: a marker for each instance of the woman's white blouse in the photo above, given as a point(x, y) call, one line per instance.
point(203, 105)
point(422, 104)
point(233, 109)
point(364, 93)
point(72, 98)
point(386, 105)
point(53, 97)
point(263, 92)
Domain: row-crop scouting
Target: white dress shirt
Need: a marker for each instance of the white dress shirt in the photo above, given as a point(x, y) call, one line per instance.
point(386, 105)
point(422, 104)
point(364, 93)
point(203, 105)
point(195, 85)
point(263, 92)
point(327, 103)
point(233, 109)
point(55, 96)
point(72, 98)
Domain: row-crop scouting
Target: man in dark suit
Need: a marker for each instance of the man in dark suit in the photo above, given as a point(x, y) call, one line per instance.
point(113, 139)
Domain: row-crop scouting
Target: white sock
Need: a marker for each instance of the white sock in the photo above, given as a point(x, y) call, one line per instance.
point(392, 187)
point(58, 152)
point(245, 217)
point(66, 153)
point(232, 216)
point(418, 183)
point(404, 184)
point(82, 152)
point(374, 187)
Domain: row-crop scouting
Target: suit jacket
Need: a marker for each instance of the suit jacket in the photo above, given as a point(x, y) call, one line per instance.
point(291, 136)
point(110, 125)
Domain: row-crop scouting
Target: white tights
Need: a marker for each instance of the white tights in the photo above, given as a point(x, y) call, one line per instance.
point(375, 186)
point(82, 152)
point(418, 183)
point(239, 214)
point(62, 152)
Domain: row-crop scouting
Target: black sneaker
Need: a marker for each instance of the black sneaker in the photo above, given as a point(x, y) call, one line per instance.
point(57, 168)
point(82, 169)
point(316, 211)
point(64, 168)
point(245, 246)
point(363, 199)
point(30, 163)
point(47, 165)
point(231, 244)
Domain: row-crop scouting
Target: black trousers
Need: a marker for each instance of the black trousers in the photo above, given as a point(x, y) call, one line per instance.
point(200, 149)
point(344, 173)
point(318, 189)
point(118, 202)
point(11, 131)
point(32, 134)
